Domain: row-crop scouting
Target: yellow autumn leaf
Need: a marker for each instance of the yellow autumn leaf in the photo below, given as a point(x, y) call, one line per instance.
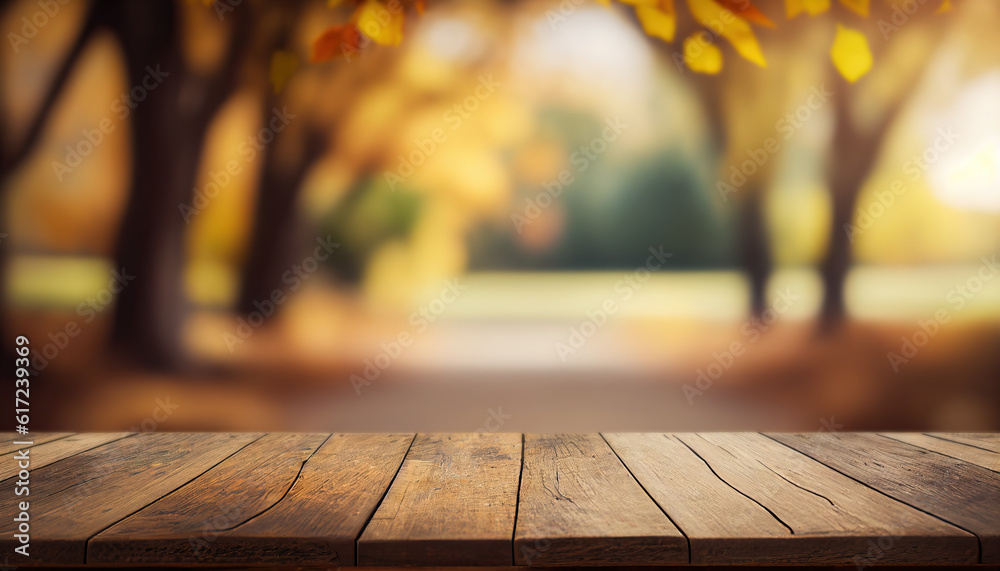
point(859, 7)
point(701, 55)
point(735, 29)
point(850, 53)
point(944, 7)
point(283, 66)
point(381, 21)
point(658, 20)
point(812, 7)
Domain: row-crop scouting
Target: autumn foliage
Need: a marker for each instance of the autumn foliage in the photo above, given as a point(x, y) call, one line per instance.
point(383, 22)
point(379, 21)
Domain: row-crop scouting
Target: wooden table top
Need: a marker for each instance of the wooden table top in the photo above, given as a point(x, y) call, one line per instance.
point(228, 499)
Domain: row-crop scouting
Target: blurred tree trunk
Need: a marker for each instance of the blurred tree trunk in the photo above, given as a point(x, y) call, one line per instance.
point(277, 237)
point(753, 251)
point(754, 248)
point(274, 240)
point(167, 132)
point(755, 245)
point(855, 150)
point(165, 146)
point(852, 157)
point(13, 153)
point(168, 129)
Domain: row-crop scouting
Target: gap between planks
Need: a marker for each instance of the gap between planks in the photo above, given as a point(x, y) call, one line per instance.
point(521, 470)
point(86, 544)
point(986, 553)
point(382, 499)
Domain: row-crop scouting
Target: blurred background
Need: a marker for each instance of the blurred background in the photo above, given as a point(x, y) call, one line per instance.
point(525, 216)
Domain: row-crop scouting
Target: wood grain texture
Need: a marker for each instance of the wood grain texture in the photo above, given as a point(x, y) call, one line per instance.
point(7, 440)
point(722, 524)
point(971, 454)
point(579, 505)
point(54, 450)
point(323, 501)
point(832, 518)
point(985, 441)
point(185, 526)
point(285, 499)
point(956, 491)
point(79, 496)
point(452, 503)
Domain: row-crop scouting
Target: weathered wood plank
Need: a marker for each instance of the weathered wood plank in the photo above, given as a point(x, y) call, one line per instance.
point(971, 454)
point(52, 451)
point(579, 505)
point(833, 519)
point(722, 524)
point(257, 508)
point(956, 491)
point(74, 499)
point(7, 445)
point(452, 503)
point(295, 499)
point(986, 441)
point(185, 525)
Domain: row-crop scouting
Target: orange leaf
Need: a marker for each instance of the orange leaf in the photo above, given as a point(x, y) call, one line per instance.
point(344, 38)
point(746, 10)
point(721, 21)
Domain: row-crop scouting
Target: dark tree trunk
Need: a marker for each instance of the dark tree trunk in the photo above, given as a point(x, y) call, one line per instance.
point(851, 160)
point(164, 162)
point(753, 250)
point(275, 240)
point(14, 152)
point(168, 129)
point(837, 261)
point(165, 150)
point(755, 246)
point(854, 153)
point(274, 237)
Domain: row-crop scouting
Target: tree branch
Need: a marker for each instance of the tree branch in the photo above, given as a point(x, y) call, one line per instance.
point(222, 86)
point(31, 138)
